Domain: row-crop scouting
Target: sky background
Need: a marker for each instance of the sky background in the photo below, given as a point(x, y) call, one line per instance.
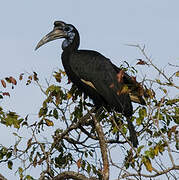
point(105, 26)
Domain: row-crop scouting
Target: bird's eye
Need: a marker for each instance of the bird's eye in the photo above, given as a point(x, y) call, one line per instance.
point(67, 29)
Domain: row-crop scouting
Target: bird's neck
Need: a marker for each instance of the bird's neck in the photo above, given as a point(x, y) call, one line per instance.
point(72, 42)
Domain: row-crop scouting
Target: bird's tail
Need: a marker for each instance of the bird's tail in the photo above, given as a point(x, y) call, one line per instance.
point(132, 132)
point(133, 135)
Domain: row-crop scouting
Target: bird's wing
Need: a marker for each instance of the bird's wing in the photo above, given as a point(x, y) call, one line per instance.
point(97, 71)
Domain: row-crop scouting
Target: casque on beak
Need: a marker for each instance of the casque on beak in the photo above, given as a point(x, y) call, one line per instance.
point(55, 34)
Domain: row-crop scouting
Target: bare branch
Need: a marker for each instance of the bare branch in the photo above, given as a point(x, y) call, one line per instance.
point(73, 175)
point(153, 175)
point(2, 177)
point(103, 147)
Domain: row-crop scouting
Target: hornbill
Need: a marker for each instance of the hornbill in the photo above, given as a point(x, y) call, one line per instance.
point(96, 76)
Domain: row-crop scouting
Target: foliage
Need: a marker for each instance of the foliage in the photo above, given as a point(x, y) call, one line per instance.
point(81, 143)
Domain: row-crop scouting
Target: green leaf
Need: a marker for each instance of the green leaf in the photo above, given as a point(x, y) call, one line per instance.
point(86, 154)
point(83, 164)
point(43, 111)
point(124, 129)
point(55, 113)
point(10, 164)
point(8, 155)
point(158, 81)
point(28, 177)
point(142, 112)
point(140, 148)
point(88, 168)
point(139, 121)
point(20, 172)
point(115, 130)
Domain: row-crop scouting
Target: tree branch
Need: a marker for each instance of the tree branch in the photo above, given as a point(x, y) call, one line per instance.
point(72, 126)
point(2, 177)
point(103, 147)
point(153, 175)
point(72, 175)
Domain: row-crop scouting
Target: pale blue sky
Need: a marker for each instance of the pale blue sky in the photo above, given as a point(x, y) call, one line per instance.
point(104, 26)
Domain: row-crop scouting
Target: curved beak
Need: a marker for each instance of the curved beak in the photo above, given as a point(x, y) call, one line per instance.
point(55, 34)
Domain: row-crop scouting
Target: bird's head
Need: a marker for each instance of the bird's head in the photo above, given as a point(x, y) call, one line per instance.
point(60, 30)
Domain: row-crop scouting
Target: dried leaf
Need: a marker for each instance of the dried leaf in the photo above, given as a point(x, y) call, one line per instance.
point(35, 76)
point(173, 129)
point(3, 83)
point(40, 161)
point(35, 161)
point(8, 80)
point(141, 62)
point(6, 94)
point(78, 163)
point(13, 81)
point(28, 82)
point(30, 77)
point(29, 142)
point(63, 72)
point(49, 123)
point(21, 76)
point(58, 77)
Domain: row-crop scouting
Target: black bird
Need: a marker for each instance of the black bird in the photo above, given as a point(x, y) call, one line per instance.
point(96, 76)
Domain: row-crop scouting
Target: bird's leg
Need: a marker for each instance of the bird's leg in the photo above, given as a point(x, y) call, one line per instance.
point(118, 123)
point(117, 119)
point(133, 135)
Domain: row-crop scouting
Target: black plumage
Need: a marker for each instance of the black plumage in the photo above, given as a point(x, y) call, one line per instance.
point(96, 76)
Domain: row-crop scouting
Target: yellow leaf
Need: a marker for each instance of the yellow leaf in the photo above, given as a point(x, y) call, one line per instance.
point(124, 90)
point(177, 74)
point(164, 90)
point(150, 93)
point(147, 164)
point(48, 122)
point(69, 95)
point(158, 81)
point(156, 150)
